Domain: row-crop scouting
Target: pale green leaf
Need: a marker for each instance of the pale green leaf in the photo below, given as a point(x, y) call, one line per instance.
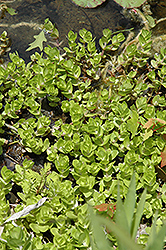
point(11, 11)
point(39, 39)
point(88, 3)
point(151, 21)
point(133, 124)
point(130, 3)
point(148, 134)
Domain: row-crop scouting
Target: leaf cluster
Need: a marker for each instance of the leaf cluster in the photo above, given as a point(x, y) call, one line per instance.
point(98, 117)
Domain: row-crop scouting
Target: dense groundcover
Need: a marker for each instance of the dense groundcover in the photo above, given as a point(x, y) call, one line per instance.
point(96, 117)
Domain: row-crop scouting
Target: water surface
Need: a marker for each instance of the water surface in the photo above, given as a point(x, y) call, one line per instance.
point(64, 13)
point(66, 16)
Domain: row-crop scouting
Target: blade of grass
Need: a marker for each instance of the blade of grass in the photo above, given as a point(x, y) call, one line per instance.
point(156, 240)
point(129, 203)
point(138, 214)
point(99, 236)
point(122, 235)
point(152, 234)
point(121, 218)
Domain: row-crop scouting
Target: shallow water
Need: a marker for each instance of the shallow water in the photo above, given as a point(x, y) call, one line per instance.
point(66, 16)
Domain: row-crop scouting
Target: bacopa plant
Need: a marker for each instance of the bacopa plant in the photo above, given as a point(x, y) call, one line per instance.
point(94, 118)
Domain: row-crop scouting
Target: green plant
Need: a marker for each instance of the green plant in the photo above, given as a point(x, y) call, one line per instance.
point(95, 118)
point(126, 224)
point(4, 9)
point(40, 39)
point(123, 3)
point(88, 4)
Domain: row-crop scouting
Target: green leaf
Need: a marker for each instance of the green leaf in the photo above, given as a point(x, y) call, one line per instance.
point(15, 237)
point(62, 164)
point(147, 134)
point(16, 233)
point(152, 234)
point(129, 203)
point(1, 150)
point(121, 219)
point(133, 124)
point(88, 3)
point(120, 233)
point(85, 35)
point(50, 28)
point(98, 234)
point(151, 21)
point(156, 240)
point(103, 155)
point(86, 146)
point(39, 228)
point(138, 215)
point(131, 157)
point(46, 144)
point(6, 174)
point(11, 11)
point(28, 243)
point(2, 141)
point(132, 74)
point(39, 39)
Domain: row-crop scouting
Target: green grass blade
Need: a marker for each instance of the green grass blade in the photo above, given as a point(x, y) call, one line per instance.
point(123, 236)
point(152, 234)
point(98, 234)
point(156, 240)
point(129, 203)
point(121, 218)
point(138, 214)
